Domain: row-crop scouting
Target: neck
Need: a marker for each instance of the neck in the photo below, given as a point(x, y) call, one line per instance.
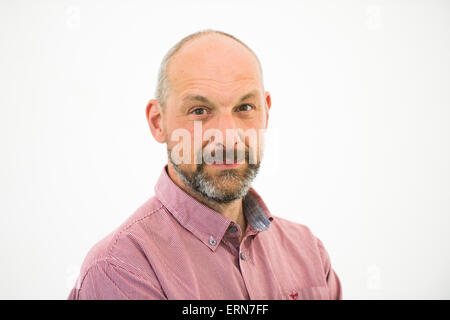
point(232, 210)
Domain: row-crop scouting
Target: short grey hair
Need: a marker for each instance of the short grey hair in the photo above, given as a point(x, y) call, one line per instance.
point(162, 88)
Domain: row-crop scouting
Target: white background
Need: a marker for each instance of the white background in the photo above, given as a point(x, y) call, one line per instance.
point(359, 135)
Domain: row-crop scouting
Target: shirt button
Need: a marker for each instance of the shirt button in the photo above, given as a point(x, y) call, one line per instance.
point(233, 229)
point(242, 256)
point(212, 241)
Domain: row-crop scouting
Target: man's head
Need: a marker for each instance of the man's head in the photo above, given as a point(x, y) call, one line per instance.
point(212, 81)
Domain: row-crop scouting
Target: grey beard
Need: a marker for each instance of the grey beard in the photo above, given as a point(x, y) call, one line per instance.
point(207, 187)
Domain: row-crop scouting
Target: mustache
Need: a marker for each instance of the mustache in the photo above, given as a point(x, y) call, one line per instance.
point(225, 156)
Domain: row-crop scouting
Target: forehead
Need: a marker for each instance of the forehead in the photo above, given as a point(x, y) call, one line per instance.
point(216, 64)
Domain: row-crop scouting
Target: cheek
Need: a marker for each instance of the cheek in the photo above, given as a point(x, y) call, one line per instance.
point(180, 139)
point(173, 129)
point(256, 120)
point(255, 141)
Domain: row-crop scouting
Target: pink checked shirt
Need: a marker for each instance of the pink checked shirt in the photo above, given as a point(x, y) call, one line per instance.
point(174, 247)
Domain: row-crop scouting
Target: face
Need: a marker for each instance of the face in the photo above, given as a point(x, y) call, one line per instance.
point(215, 115)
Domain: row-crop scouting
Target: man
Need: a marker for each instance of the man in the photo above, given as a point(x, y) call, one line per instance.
point(206, 234)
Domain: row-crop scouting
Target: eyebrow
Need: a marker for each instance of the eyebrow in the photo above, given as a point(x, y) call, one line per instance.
point(206, 100)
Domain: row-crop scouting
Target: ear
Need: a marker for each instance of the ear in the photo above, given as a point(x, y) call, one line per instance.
point(268, 101)
point(154, 119)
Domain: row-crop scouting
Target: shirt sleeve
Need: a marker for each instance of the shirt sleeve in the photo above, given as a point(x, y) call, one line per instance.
point(333, 282)
point(106, 281)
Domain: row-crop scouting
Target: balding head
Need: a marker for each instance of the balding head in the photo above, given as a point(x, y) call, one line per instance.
point(206, 48)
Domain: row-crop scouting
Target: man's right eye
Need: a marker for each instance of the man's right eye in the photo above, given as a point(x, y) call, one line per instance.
point(199, 111)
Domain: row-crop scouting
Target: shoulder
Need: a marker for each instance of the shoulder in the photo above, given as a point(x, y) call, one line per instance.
point(303, 236)
point(118, 247)
point(298, 234)
point(293, 230)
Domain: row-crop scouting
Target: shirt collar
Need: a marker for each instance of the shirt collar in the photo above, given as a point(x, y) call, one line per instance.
point(208, 225)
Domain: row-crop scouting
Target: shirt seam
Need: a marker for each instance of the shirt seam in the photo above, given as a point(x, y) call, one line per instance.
point(135, 274)
point(112, 264)
point(120, 290)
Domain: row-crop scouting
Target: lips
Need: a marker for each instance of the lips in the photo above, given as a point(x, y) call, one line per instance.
point(227, 166)
point(226, 162)
point(227, 158)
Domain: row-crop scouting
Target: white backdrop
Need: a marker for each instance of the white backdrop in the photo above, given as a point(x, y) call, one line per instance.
point(360, 99)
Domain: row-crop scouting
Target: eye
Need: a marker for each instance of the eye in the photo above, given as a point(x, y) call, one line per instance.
point(245, 107)
point(199, 111)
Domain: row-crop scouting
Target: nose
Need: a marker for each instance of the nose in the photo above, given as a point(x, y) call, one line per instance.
point(227, 126)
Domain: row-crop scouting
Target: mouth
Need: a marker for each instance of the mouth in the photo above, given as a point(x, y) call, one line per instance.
point(225, 165)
